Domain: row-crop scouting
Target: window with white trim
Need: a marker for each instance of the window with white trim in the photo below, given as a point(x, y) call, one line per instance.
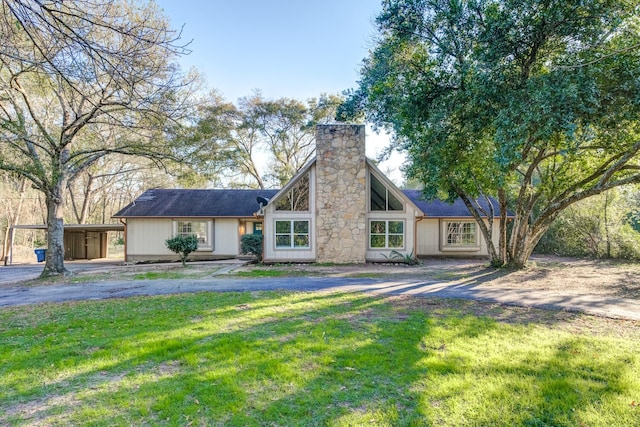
point(386, 234)
point(292, 234)
point(201, 229)
point(461, 233)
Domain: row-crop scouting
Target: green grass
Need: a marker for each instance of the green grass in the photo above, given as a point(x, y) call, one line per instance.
point(276, 358)
point(86, 277)
point(151, 275)
point(257, 272)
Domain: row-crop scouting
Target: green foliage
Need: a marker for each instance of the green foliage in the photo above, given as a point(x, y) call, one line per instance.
point(303, 358)
point(599, 227)
point(535, 102)
point(183, 246)
point(252, 244)
point(397, 256)
point(229, 138)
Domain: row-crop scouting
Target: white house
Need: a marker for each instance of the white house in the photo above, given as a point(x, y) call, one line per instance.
point(339, 208)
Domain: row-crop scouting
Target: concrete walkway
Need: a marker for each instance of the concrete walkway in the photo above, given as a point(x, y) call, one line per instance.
point(591, 304)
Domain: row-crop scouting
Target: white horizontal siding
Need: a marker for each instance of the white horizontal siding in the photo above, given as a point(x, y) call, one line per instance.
point(147, 236)
point(226, 235)
point(429, 238)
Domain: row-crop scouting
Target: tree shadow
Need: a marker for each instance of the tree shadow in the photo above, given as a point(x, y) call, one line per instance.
point(334, 359)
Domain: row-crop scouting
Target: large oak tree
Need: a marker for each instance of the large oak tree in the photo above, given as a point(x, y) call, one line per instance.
point(534, 101)
point(80, 80)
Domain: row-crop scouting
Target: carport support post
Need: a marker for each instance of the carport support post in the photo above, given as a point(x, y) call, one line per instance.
point(10, 257)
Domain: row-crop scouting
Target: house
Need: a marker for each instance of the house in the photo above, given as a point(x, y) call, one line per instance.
point(339, 208)
point(217, 217)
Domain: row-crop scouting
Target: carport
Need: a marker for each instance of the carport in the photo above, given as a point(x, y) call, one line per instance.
point(81, 241)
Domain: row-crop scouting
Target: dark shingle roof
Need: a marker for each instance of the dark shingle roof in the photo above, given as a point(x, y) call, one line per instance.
point(439, 209)
point(195, 203)
point(243, 203)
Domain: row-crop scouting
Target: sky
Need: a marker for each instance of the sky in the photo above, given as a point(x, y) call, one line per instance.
point(284, 48)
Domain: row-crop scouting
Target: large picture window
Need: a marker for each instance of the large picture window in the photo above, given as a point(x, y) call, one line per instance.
point(292, 234)
point(297, 198)
point(200, 229)
point(381, 198)
point(386, 234)
point(461, 233)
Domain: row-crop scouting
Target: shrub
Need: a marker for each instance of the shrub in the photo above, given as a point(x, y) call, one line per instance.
point(603, 226)
point(251, 244)
point(183, 246)
point(396, 256)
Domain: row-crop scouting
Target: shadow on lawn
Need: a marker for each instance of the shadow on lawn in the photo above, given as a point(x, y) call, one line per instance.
point(324, 359)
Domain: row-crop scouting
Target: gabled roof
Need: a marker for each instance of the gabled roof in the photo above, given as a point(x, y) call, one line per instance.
point(162, 203)
point(439, 209)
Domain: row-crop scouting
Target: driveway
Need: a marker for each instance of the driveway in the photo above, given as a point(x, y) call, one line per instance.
point(21, 272)
point(607, 306)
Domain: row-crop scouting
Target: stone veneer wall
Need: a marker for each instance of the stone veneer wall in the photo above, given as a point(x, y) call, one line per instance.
point(341, 194)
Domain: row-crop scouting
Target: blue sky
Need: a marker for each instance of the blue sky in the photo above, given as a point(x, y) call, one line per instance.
point(286, 48)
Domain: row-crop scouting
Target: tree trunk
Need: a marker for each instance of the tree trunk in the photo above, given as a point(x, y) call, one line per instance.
point(486, 227)
point(54, 265)
point(502, 239)
point(88, 194)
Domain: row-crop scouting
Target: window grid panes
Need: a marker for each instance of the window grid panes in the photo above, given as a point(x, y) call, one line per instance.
point(386, 234)
point(461, 233)
point(193, 228)
point(292, 234)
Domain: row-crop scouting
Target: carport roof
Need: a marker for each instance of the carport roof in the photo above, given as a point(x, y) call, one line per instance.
point(74, 227)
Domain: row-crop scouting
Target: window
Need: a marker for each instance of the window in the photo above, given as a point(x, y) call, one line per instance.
point(297, 198)
point(381, 198)
point(200, 229)
point(292, 234)
point(386, 234)
point(460, 233)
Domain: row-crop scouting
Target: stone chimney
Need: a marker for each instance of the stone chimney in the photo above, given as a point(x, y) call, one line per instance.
point(341, 194)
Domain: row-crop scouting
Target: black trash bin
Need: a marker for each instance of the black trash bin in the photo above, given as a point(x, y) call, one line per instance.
point(41, 254)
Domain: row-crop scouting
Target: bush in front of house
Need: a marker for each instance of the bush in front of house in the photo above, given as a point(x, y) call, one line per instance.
point(251, 244)
point(183, 246)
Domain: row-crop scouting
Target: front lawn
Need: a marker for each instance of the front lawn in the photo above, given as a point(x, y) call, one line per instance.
point(281, 358)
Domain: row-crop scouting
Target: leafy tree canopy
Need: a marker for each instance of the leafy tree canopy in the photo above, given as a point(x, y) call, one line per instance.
point(80, 80)
point(536, 102)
